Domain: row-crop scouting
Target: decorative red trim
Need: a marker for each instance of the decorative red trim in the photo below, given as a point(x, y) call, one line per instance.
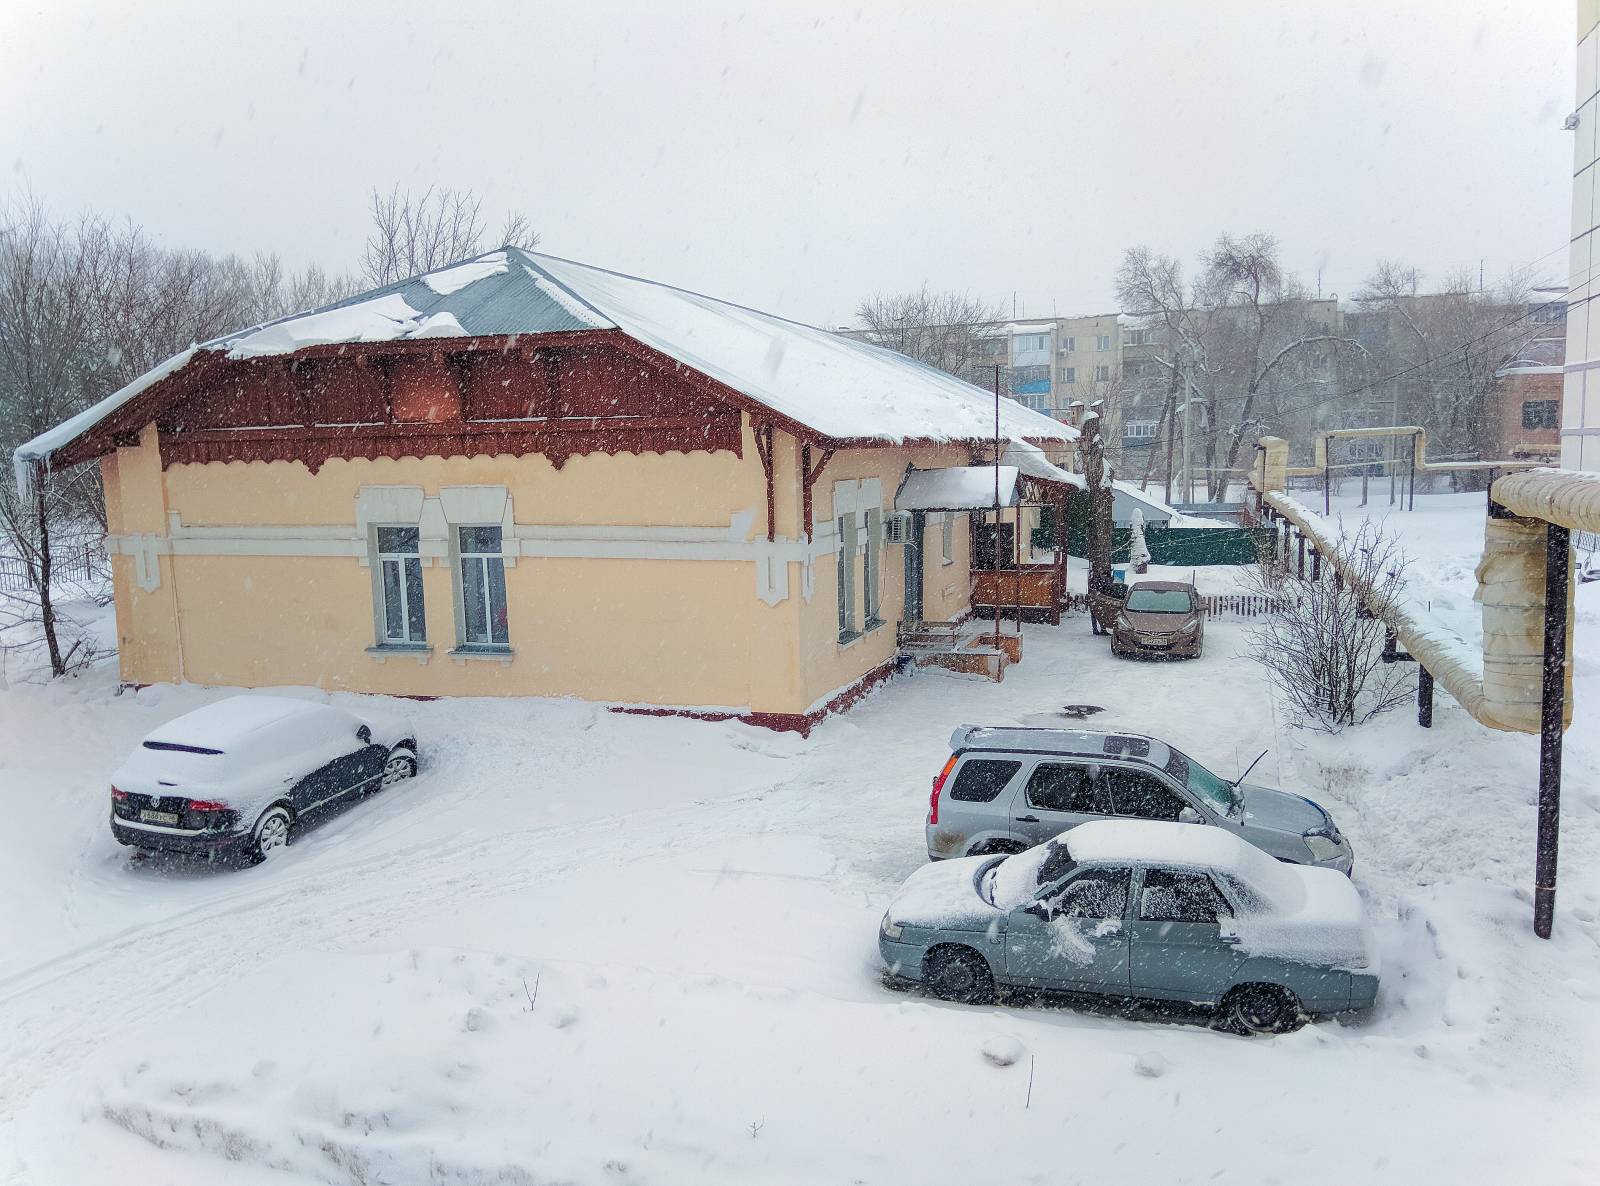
point(808, 477)
point(763, 438)
point(557, 440)
point(781, 722)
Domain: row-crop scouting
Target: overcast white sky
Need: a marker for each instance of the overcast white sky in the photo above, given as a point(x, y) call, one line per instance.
point(795, 156)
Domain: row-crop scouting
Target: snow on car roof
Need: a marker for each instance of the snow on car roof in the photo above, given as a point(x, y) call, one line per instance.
point(228, 722)
point(1082, 742)
point(1194, 845)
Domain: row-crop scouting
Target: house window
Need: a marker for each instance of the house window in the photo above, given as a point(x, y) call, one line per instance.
point(1069, 374)
point(846, 526)
point(1102, 342)
point(1102, 374)
point(871, 595)
point(947, 538)
point(1068, 345)
point(401, 618)
point(1137, 337)
point(483, 587)
point(1541, 413)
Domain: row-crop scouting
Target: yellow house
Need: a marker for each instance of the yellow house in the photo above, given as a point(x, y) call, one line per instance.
point(523, 476)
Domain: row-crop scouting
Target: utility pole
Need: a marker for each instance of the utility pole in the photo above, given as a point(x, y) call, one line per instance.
point(1394, 422)
point(1186, 494)
point(997, 507)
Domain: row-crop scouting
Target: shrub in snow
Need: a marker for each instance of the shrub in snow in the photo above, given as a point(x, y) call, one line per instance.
point(1138, 550)
point(1002, 1050)
point(1324, 648)
point(1151, 1066)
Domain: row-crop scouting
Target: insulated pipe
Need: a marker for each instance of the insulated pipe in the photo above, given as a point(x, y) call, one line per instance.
point(1569, 499)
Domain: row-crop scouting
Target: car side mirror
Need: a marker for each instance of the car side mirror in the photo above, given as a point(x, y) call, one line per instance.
point(1190, 816)
point(1039, 910)
point(363, 735)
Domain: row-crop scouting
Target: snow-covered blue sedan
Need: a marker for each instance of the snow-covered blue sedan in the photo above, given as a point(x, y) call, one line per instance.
point(233, 778)
point(1139, 909)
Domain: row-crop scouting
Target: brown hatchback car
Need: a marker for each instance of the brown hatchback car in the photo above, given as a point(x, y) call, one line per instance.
point(1160, 618)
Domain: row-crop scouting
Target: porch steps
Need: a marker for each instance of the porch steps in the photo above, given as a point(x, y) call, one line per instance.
point(969, 648)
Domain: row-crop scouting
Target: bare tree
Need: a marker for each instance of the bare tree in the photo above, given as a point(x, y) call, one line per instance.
point(946, 330)
point(416, 233)
point(1435, 354)
point(1323, 648)
point(86, 305)
point(1102, 497)
point(1239, 340)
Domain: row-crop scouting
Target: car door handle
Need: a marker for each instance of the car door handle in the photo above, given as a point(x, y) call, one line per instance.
point(1228, 938)
point(1027, 819)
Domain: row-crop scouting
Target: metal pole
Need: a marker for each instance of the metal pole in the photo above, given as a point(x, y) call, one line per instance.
point(1188, 459)
point(1394, 421)
point(1424, 697)
point(1412, 497)
point(1316, 564)
point(1552, 711)
point(1300, 547)
point(1326, 493)
point(997, 506)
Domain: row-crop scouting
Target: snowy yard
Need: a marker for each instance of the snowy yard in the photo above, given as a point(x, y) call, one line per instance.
point(597, 948)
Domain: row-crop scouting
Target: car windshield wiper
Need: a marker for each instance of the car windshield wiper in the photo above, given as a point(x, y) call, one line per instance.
point(1233, 787)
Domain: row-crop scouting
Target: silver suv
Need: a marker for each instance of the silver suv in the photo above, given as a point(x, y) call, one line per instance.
point(1007, 789)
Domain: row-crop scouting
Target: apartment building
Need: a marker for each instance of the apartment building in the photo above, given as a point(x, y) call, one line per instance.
point(1061, 366)
point(1580, 400)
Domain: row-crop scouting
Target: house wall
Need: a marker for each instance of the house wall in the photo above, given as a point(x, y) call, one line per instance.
point(638, 626)
point(826, 663)
point(642, 579)
point(1511, 392)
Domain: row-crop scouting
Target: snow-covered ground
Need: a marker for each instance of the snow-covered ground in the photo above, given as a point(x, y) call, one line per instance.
point(584, 947)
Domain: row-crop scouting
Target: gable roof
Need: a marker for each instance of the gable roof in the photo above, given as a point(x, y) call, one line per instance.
point(841, 389)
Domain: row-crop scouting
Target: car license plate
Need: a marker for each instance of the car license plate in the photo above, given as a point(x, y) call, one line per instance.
point(170, 818)
point(1152, 640)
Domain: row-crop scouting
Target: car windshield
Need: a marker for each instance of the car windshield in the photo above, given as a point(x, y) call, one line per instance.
point(1216, 791)
point(1160, 601)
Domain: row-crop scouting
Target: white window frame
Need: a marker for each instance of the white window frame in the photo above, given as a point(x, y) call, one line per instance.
point(380, 564)
point(458, 563)
point(872, 571)
point(1069, 374)
point(1102, 374)
point(845, 526)
point(1069, 345)
point(1102, 342)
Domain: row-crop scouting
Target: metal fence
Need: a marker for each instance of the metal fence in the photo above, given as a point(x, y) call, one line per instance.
point(78, 563)
point(1232, 605)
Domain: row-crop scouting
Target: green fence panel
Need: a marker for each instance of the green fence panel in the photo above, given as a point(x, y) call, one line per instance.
point(1176, 546)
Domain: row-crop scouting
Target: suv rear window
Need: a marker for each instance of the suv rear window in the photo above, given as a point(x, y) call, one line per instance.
point(981, 779)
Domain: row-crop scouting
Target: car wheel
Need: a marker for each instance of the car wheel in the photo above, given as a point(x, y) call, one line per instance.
point(271, 832)
point(958, 974)
point(399, 767)
point(1260, 1009)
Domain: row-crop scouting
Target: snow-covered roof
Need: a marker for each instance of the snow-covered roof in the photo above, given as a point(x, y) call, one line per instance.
point(836, 386)
point(958, 488)
point(1031, 462)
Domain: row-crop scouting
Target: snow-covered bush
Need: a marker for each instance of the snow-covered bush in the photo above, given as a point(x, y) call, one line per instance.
point(1138, 550)
point(1324, 646)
